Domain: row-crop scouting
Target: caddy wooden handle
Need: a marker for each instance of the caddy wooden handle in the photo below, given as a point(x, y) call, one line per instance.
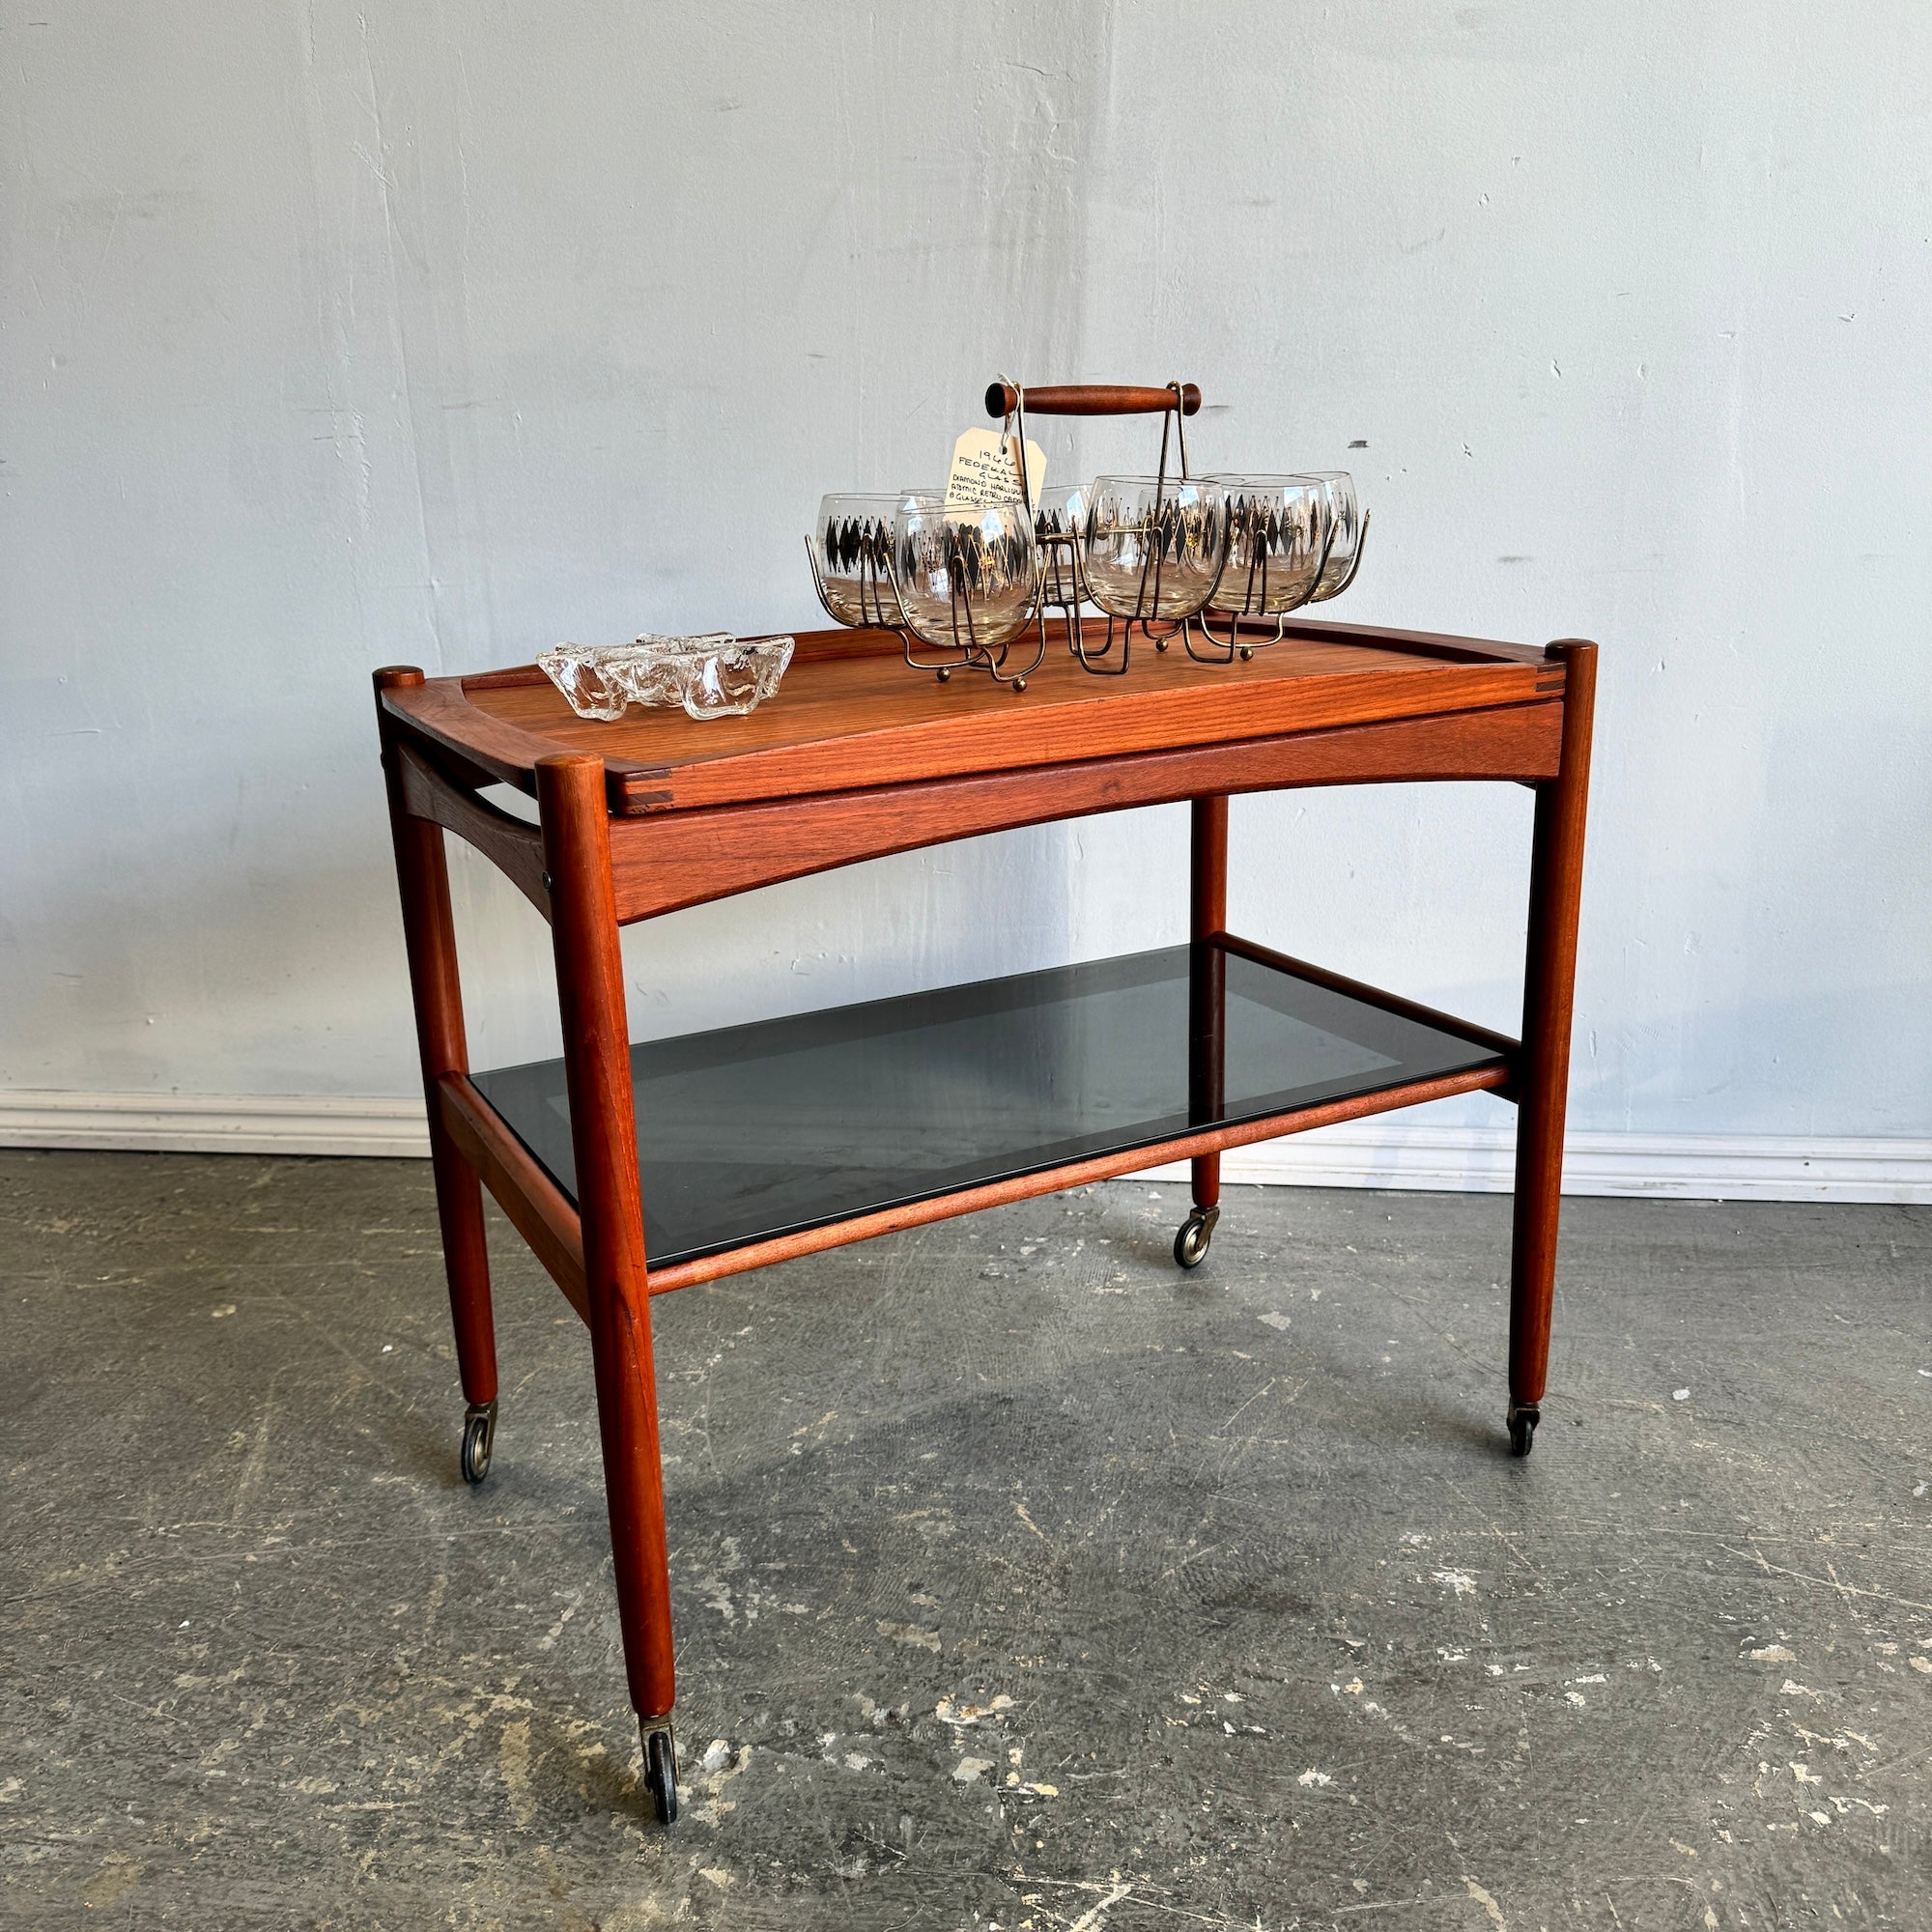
point(1092, 399)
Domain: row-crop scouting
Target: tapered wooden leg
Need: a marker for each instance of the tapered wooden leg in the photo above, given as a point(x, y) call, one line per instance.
point(604, 1138)
point(429, 937)
point(1207, 913)
point(1555, 885)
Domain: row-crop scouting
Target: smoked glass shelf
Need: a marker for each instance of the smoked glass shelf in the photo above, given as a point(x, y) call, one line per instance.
point(757, 1132)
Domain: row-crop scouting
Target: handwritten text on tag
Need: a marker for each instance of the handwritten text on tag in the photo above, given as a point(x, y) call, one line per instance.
point(987, 472)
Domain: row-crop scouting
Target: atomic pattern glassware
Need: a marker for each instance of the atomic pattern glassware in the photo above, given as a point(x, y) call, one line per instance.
point(1060, 529)
point(1276, 527)
point(1148, 552)
point(850, 546)
point(965, 579)
point(1345, 522)
point(1154, 546)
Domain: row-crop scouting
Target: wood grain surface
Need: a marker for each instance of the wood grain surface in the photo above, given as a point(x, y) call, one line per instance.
point(538, 1208)
point(1549, 980)
point(673, 859)
point(436, 986)
point(611, 1215)
point(1093, 399)
point(430, 792)
point(851, 714)
point(1208, 916)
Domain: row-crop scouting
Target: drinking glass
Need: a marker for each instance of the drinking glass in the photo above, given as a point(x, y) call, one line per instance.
point(1062, 512)
point(1345, 519)
point(850, 548)
point(1060, 528)
point(1275, 526)
point(965, 578)
point(1154, 547)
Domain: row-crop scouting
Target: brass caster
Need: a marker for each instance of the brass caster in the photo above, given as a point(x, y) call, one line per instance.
point(1160, 644)
point(479, 1434)
point(1020, 685)
point(1247, 654)
point(1190, 1245)
point(661, 1768)
point(946, 673)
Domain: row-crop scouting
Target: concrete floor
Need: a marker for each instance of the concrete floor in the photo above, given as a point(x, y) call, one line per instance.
point(1020, 1580)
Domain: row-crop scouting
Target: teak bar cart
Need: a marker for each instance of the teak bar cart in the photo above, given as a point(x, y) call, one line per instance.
point(632, 1171)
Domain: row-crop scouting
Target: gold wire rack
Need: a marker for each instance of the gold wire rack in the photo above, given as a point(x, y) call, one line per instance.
point(1159, 557)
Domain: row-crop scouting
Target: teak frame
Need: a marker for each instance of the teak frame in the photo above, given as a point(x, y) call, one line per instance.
point(895, 765)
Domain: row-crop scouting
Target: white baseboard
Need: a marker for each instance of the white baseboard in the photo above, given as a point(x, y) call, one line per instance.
point(213, 1124)
point(1383, 1151)
point(1386, 1153)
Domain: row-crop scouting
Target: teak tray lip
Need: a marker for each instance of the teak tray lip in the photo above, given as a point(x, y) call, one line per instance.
point(1448, 674)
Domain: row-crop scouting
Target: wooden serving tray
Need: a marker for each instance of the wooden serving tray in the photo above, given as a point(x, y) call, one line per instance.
point(850, 714)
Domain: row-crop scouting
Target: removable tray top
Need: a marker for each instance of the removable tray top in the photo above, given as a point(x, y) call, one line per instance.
point(850, 713)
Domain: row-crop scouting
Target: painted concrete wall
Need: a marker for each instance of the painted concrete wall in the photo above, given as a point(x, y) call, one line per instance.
point(337, 335)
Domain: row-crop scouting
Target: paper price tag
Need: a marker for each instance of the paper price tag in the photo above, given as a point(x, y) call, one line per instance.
point(987, 472)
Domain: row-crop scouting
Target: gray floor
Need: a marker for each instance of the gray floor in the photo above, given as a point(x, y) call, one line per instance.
point(1020, 1580)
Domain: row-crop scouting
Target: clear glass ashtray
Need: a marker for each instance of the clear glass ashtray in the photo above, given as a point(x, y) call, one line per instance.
point(713, 676)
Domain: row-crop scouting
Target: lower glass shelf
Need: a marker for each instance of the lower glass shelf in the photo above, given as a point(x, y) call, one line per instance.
point(770, 1129)
point(755, 1131)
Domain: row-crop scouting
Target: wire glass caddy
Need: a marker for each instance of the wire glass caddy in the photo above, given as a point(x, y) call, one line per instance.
point(1168, 556)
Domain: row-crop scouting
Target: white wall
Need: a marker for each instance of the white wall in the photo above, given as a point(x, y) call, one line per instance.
point(337, 335)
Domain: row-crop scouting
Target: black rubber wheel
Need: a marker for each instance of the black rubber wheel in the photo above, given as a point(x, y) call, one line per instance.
point(660, 1774)
point(1190, 1245)
point(480, 1435)
point(1522, 1420)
